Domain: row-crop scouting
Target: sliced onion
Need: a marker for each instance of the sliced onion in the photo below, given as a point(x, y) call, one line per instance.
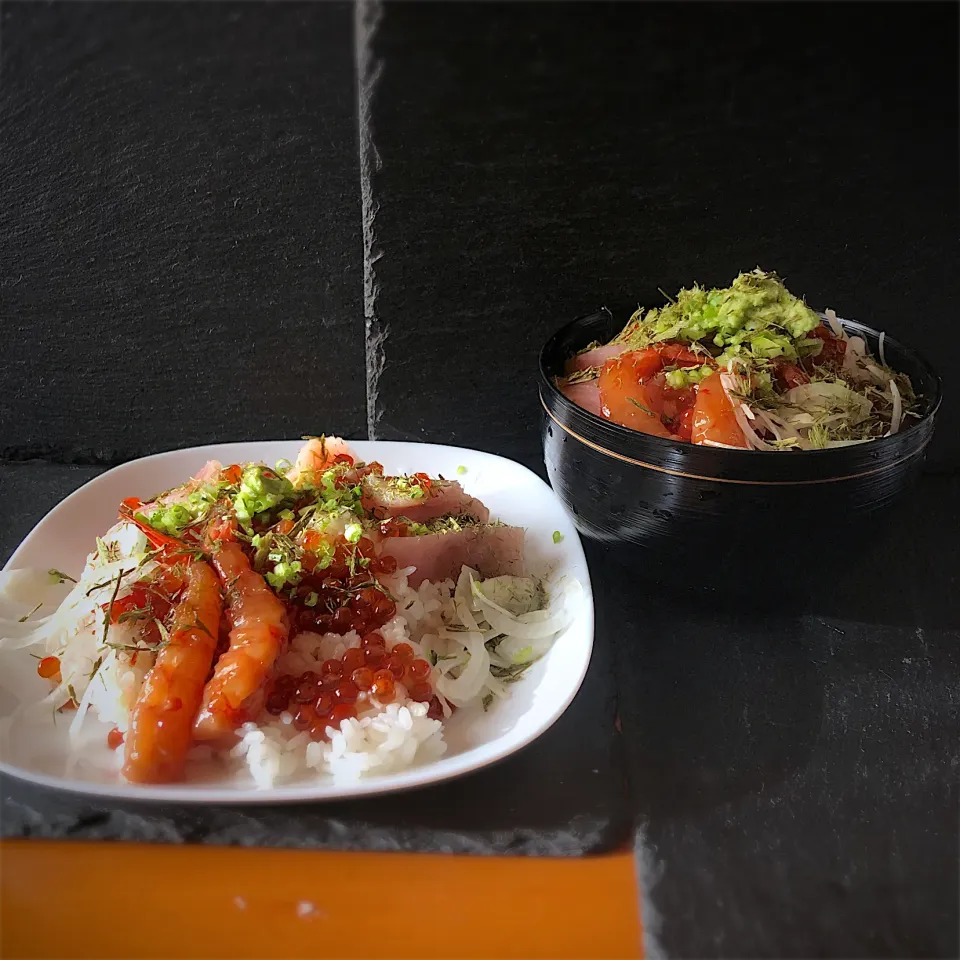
point(463, 598)
point(462, 689)
point(770, 424)
point(880, 351)
point(17, 636)
point(820, 396)
point(857, 345)
point(496, 660)
point(897, 414)
point(517, 650)
point(752, 438)
point(30, 585)
point(834, 324)
point(77, 722)
point(525, 627)
point(496, 687)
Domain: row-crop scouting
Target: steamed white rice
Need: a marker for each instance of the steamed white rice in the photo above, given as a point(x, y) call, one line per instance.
point(383, 738)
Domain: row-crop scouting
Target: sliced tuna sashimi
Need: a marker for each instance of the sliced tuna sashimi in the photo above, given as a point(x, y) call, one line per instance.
point(491, 549)
point(585, 394)
point(393, 497)
point(596, 357)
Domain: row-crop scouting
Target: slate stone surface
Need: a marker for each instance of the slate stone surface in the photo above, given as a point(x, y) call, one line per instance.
point(180, 232)
point(540, 161)
point(795, 771)
point(564, 795)
point(182, 201)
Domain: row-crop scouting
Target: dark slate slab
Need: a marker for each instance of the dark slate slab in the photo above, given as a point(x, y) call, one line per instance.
point(539, 161)
point(564, 795)
point(794, 771)
point(180, 231)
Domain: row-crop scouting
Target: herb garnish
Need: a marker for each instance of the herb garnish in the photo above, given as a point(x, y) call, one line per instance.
point(26, 617)
point(637, 403)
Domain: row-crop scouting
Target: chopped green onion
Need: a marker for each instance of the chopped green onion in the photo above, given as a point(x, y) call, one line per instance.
point(557, 536)
point(287, 571)
point(461, 470)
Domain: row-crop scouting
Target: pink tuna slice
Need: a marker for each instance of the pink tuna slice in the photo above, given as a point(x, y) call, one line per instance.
point(596, 357)
point(445, 498)
point(210, 472)
point(585, 394)
point(492, 549)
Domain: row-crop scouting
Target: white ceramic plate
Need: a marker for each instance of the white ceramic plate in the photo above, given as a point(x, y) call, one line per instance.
point(37, 750)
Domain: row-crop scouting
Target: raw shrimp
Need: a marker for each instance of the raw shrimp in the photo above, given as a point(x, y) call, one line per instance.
point(258, 635)
point(317, 455)
point(161, 725)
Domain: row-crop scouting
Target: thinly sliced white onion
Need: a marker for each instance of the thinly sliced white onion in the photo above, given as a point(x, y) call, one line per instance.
point(517, 650)
point(854, 364)
point(524, 627)
point(749, 434)
point(834, 323)
point(463, 599)
point(462, 689)
point(767, 422)
point(14, 637)
point(857, 345)
point(897, 414)
point(77, 722)
point(451, 662)
point(496, 687)
point(29, 586)
point(821, 396)
point(497, 661)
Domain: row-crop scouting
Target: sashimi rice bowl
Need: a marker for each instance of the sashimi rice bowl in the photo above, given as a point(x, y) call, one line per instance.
point(275, 623)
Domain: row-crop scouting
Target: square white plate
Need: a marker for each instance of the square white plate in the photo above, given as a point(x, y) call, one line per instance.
point(37, 750)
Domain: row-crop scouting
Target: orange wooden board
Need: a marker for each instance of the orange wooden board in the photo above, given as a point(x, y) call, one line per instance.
point(107, 900)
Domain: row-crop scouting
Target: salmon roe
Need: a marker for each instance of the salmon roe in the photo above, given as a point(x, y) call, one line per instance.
point(404, 651)
point(49, 668)
point(340, 593)
point(114, 739)
point(318, 700)
point(418, 670)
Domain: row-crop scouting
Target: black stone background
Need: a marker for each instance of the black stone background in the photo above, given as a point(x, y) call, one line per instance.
point(793, 772)
point(189, 174)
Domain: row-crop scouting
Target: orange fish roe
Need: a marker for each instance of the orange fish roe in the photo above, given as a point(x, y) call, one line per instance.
point(49, 668)
point(318, 700)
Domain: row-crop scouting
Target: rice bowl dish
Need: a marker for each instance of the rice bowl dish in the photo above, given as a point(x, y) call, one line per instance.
point(340, 691)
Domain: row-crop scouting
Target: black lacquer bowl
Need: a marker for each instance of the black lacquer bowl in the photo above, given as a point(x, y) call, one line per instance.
point(725, 517)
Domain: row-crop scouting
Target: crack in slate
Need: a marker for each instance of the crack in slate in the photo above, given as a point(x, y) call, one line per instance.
point(367, 18)
point(649, 872)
